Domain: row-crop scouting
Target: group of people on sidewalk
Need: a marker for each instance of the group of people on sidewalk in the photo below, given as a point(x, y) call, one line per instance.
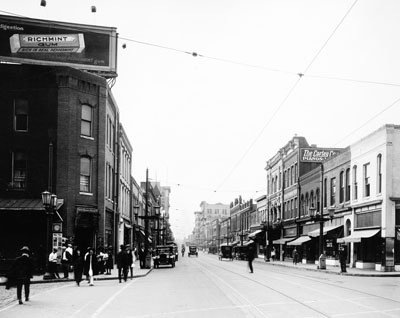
point(89, 264)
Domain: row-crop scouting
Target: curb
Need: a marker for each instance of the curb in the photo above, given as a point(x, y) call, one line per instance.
point(328, 271)
point(69, 280)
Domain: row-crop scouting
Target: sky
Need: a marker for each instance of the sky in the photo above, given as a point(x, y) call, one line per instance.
point(205, 124)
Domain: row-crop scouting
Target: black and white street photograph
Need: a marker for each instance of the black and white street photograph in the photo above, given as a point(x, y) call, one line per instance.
point(192, 158)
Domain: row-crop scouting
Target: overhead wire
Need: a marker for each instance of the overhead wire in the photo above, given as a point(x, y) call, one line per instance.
point(369, 120)
point(292, 88)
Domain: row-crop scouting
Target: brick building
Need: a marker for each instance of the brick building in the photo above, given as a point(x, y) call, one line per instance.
point(59, 132)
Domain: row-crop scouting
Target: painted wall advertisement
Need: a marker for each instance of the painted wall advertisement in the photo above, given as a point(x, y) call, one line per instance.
point(32, 41)
point(317, 154)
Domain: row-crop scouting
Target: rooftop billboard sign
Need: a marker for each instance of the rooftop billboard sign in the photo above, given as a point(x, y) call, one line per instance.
point(43, 42)
point(318, 155)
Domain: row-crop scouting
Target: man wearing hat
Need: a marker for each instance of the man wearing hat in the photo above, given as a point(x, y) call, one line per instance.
point(122, 263)
point(22, 272)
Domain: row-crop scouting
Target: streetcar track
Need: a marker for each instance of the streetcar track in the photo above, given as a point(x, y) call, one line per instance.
point(332, 284)
point(259, 283)
point(309, 278)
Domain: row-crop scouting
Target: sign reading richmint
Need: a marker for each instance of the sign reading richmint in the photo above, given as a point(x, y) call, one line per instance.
point(32, 41)
point(317, 154)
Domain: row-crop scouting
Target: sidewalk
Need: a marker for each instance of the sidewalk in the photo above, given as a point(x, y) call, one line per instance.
point(137, 272)
point(329, 269)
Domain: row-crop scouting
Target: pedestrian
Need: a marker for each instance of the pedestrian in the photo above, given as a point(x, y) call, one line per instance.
point(90, 265)
point(20, 274)
point(295, 256)
point(250, 256)
point(342, 259)
point(132, 260)
point(273, 254)
point(66, 259)
point(122, 264)
point(100, 260)
point(77, 263)
point(109, 262)
point(53, 261)
point(142, 257)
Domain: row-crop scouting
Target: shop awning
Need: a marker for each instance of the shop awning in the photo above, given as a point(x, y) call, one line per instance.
point(356, 236)
point(327, 229)
point(283, 240)
point(300, 240)
point(255, 233)
point(235, 243)
point(247, 243)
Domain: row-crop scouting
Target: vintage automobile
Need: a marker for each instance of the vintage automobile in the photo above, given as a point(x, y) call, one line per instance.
point(226, 251)
point(193, 250)
point(164, 255)
point(240, 252)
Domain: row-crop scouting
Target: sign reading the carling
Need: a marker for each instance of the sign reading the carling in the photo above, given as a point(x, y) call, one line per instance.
point(43, 42)
point(318, 155)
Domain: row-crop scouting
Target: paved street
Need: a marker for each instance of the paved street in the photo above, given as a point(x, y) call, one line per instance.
point(206, 286)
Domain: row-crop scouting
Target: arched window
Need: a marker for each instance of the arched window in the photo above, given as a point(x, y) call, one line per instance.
point(312, 203)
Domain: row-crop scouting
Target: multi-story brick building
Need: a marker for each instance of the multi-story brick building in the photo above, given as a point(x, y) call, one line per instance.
point(59, 132)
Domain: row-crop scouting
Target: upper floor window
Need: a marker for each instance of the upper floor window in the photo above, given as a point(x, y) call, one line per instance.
point(342, 187)
point(379, 174)
point(325, 193)
point(85, 174)
point(355, 185)
point(291, 176)
point(333, 191)
point(86, 120)
point(19, 170)
point(347, 184)
point(366, 180)
point(20, 115)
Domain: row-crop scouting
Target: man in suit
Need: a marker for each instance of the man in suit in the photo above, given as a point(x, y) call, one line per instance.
point(21, 273)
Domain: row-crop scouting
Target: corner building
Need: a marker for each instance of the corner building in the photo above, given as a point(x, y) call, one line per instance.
point(59, 132)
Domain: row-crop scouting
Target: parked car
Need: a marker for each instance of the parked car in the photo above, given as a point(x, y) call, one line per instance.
point(226, 251)
point(164, 255)
point(193, 251)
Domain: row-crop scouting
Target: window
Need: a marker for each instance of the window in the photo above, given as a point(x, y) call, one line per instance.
point(20, 115)
point(366, 180)
point(347, 184)
point(379, 174)
point(19, 170)
point(86, 121)
point(291, 176)
point(312, 203)
point(85, 174)
point(355, 185)
point(333, 191)
point(317, 199)
point(342, 187)
point(325, 193)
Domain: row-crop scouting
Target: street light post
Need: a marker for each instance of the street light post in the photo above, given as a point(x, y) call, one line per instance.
point(319, 217)
point(49, 201)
